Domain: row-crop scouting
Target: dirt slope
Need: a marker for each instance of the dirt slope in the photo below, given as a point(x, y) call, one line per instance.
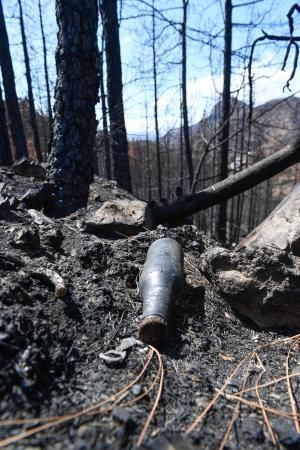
point(50, 346)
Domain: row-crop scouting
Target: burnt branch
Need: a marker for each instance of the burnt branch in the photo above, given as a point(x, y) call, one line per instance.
point(292, 41)
point(289, 15)
point(295, 64)
point(228, 188)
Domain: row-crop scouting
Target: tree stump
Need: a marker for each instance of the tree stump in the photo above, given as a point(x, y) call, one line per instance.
point(260, 279)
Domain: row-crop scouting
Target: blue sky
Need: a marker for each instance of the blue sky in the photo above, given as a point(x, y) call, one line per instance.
point(205, 17)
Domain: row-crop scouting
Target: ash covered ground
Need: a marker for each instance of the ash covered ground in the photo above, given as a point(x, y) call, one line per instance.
point(50, 347)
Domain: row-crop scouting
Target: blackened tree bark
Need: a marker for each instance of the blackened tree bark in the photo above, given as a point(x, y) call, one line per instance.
point(104, 120)
point(186, 132)
point(32, 115)
point(76, 93)
point(157, 140)
point(46, 69)
point(225, 123)
point(9, 85)
point(5, 151)
point(118, 135)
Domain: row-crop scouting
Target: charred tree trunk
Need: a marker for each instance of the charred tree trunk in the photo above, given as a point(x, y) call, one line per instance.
point(225, 123)
point(157, 140)
point(76, 93)
point(11, 98)
point(186, 132)
point(104, 120)
point(33, 122)
point(46, 70)
point(5, 150)
point(118, 135)
point(149, 187)
point(260, 279)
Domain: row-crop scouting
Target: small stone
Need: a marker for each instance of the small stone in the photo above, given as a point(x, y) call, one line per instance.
point(136, 389)
point(27, 239)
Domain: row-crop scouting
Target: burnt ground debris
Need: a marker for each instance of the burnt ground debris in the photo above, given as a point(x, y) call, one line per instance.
point(50, 347)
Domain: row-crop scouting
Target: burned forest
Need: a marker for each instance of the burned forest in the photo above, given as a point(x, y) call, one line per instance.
point(149, 225)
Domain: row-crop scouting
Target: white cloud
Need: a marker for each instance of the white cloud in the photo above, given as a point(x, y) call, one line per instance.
point(204, 91)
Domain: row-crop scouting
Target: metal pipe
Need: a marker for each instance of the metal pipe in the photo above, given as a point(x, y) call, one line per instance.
point(161, 284)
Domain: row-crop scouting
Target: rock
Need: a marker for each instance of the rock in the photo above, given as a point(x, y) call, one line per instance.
point(38, 197)
point(27, 239)
point(27, 168)
point(50, 233)
point(51, 236)
point(125, 216)
point(260, 279)
point(5, 208)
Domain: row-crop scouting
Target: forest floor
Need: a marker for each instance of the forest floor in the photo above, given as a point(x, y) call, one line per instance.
point(51, 371)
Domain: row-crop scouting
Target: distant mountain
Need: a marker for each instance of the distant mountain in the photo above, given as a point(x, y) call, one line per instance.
point(274, 123)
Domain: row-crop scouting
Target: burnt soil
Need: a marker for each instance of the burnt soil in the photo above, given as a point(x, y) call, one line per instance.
point(50, 346)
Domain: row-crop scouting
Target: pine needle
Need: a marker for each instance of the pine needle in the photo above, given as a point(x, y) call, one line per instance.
point(263, 410)
point(236, 410)
point(51, 422)
point(155, 404)
point(293, 402)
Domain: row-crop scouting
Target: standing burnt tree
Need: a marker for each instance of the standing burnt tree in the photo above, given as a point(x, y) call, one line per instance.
point(76, 93)
point(5, 152)
point(186, 131)
point(118, 136)
point(33, 121)
point(9, 85)
point(225, 124)
point(46, 69)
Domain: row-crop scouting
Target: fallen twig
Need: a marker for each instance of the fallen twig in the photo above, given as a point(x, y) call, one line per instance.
point(51, 277)
point(155, 404)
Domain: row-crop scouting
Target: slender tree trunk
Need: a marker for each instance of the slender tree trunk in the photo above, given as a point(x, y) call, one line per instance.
point(46, 70)
point(186, 132)
point(118, 135)
point(5, 150)
point(222, 215)
point(76, 93)
point(45, 120)
point(149, 188)
point(181, 150)
point(33, 122)
point(11, 98)
point(157, 140)
point(104, 120)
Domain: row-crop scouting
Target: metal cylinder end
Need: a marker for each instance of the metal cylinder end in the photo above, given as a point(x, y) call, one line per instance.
point(153, 330)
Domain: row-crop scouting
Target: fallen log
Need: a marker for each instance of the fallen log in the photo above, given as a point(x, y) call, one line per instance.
point(225, 189)
point(260, 279)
